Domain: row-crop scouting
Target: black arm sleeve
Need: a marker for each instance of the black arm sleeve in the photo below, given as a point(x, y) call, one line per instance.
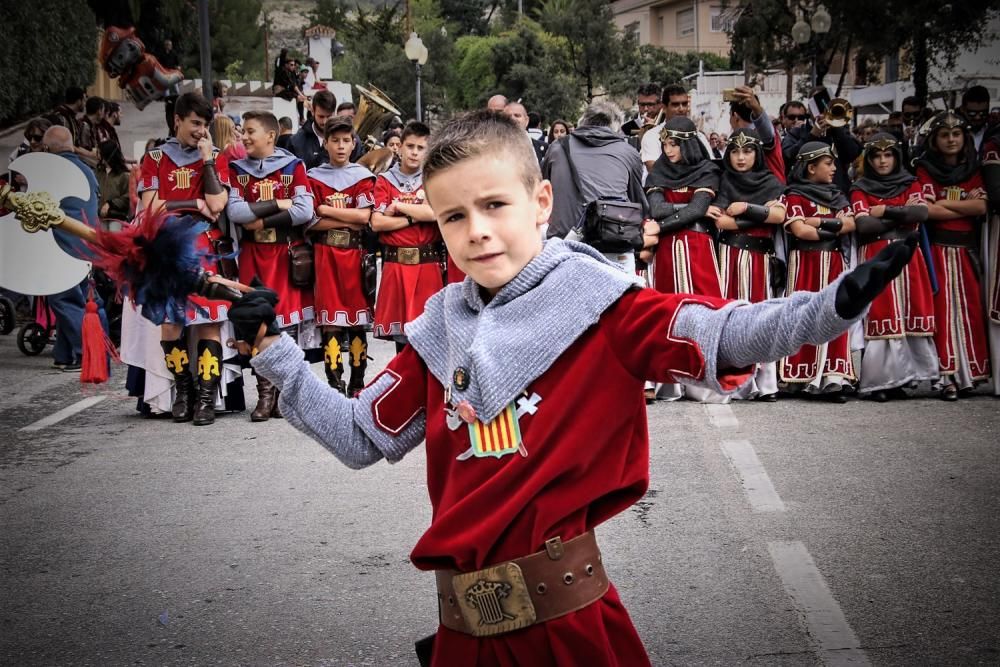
point(263, 209)
point(756, 213)
point(279, 219)
point(694, 211)
point(658, 207)
point(831, 225)
point(991, 180)
point(182, 205)
point(869, 226)
point(825, 234)
point(210, 178)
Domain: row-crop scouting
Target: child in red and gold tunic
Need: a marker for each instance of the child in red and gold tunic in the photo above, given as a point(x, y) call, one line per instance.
point(344, 195)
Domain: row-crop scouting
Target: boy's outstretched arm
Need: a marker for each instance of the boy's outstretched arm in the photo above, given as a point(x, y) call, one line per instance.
point(358, 431)
point(767, 331)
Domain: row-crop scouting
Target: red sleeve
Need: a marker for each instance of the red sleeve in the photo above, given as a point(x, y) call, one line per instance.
point(317, 190)
point(149, 174)
point(915, 194)
point(222, 168)
point(975, 182)
point(794, 207)
point(364, 196)
point(383, 193)
point(639, 327)
point(859, 202)
point(775, 160)
point(403, 395)
point(927, 185)
point(300, 182)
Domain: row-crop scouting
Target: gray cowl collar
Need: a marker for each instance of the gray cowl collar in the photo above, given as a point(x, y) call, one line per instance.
point(507, 343)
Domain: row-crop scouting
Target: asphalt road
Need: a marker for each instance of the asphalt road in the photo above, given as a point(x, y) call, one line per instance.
point(136, 541)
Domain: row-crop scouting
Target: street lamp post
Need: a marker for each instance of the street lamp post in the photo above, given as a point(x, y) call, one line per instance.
point(416, 53)
point(802, 32)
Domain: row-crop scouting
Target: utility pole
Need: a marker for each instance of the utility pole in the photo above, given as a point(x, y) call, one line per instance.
point(206, 50)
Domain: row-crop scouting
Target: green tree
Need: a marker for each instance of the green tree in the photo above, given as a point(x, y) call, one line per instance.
point(649, 63)
point(65, 31)
point(593, 43)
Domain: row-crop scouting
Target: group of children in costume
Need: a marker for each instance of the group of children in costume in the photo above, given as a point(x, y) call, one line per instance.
point(276, 210)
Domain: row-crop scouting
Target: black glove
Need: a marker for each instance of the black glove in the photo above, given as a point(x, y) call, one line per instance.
point(254, 309)
point(863, 284)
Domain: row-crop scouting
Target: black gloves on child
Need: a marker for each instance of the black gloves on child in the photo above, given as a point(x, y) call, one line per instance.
point(252, 310)
point(863, 284)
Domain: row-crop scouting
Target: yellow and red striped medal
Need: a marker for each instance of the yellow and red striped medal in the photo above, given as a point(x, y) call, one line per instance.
point(499, 437)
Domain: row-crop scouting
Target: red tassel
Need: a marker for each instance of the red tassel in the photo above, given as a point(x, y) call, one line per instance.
point(96, 346)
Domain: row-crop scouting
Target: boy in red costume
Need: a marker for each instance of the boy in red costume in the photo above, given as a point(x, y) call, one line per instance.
point(411, 243)
point(519, 574)
point(344, 195)
point(271, 201)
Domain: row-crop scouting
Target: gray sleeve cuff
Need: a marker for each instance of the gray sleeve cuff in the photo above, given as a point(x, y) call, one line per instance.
point(394, 447)
point(706, 327)
point(313, 407)
point(302, 209)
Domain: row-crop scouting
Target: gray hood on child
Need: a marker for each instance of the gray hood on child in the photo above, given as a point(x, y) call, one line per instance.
point(507, 343)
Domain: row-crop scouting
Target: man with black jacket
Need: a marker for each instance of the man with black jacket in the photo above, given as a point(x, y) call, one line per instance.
point(606, 166)
point(307, 143)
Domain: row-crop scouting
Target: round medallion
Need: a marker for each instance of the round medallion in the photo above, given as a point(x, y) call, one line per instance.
point(460, 378)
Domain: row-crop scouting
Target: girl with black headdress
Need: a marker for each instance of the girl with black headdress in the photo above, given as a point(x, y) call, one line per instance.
point(899, 328)
point(746, 211)
point(818, 219)
point(680, 187)
point(948, 172)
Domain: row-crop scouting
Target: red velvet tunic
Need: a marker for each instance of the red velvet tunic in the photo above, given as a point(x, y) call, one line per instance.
point(270, 261)
point(961, 324)
point(685, 260)
point(585, 462)
point(745, 274)
point(811, 271)
point(173, 183)
point(991, 156)
point(339, 294)
point(907, 308)
point(404, 288)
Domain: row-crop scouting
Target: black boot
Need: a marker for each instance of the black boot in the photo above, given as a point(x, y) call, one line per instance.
point(333, 362)
point(176, 356)
point(209, 376)
point(358, 355)
point(267, 397)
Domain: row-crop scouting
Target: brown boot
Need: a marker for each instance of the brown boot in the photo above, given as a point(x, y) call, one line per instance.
point(176, 356)
point(267, 398)
point(209, 376)
point(276, 411)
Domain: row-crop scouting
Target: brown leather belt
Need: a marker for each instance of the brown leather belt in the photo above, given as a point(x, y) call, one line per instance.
point(759, 244)
point(338, 238)
point(424, 254)
point(566, 576)
point(271, 235)
point(833, 245)
point(953, 238)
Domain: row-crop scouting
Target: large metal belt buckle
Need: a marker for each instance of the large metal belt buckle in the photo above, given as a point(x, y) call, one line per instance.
point(338, 238)
point(494, 600)
point(409, 256)
point(269, 235)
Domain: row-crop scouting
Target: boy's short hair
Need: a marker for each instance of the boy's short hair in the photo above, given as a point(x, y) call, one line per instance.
point(93, 105)
point(415, 129)
point(673, 90)
point(325, 100)
point(265, 118)
point(285, 123)
point(338, 124)
point(480, 133)
point(647, 89)
point(346, 106)
point(976, 95)
point(193, 103)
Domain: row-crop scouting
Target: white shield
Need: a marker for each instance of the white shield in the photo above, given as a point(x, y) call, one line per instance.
point(34, 263)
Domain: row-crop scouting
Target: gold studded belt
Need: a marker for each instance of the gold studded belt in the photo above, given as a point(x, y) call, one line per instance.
point(339, 238)
point(425, 254)
point(512, 595)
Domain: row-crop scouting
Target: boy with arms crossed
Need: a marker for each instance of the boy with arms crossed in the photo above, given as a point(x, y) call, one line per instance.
point(271, 200)
point(344, 195)
point(519, 574)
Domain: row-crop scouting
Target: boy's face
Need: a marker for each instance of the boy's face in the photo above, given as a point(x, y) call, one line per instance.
point(258, 141)
point(672, 149)
point(411, 154)
point(191, 129)
point(487, 217)
point(883, 162)
point(338, 147)
point(822, 170)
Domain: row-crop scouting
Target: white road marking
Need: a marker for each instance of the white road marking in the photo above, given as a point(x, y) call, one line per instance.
point(721, 415)
point(757, 485)
point(835, 640)
point(66, 412)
